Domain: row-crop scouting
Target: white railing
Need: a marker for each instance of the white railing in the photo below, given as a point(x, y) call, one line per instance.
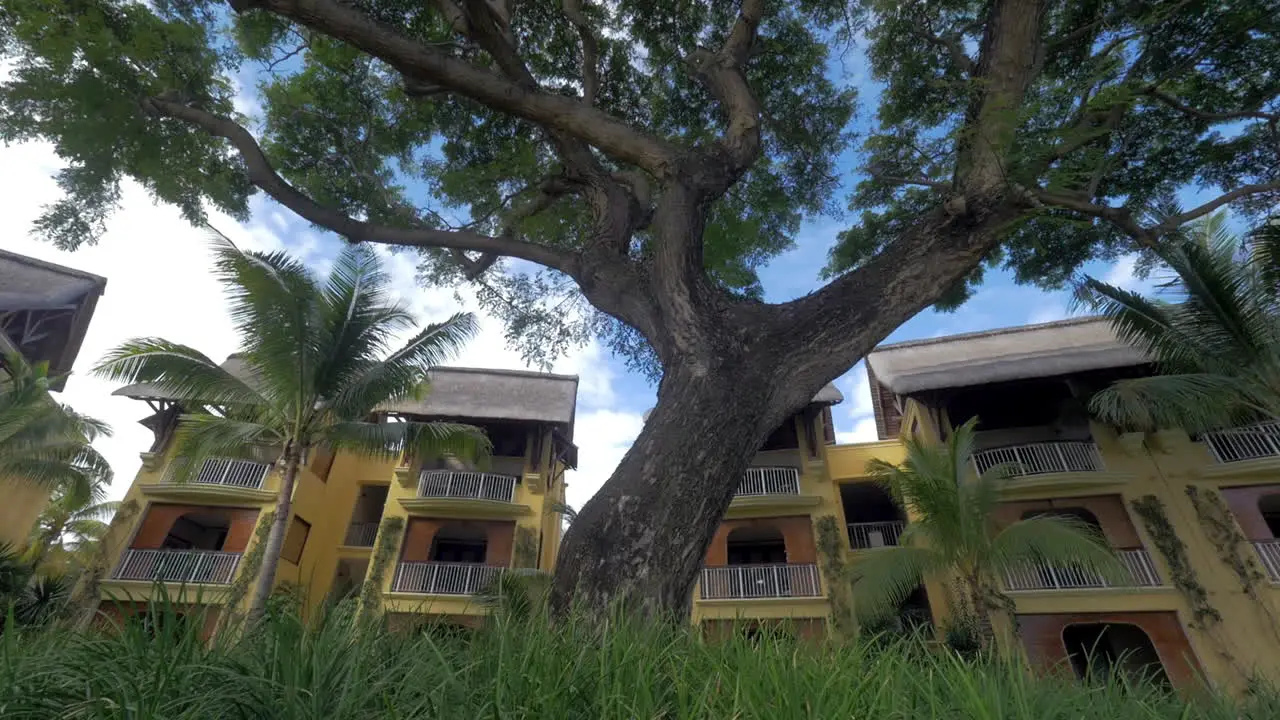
point(361, 534)
point(181, 566)
point(466, 484)
point(1269, 552)
point(437, 578)
point(760, 581)
point(867, 535)
point(225, 471)
point(1041, 458)
point(769, 481)
point(1141, 571)
point(1244, 443)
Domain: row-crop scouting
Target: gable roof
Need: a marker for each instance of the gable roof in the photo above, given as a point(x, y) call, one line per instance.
point(64, 298)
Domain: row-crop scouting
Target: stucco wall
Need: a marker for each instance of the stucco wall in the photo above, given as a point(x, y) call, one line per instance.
point(1243, 502)
point(1042, 637)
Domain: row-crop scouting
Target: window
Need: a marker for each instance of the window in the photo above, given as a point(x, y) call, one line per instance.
point(295, 540)
point(784, 438)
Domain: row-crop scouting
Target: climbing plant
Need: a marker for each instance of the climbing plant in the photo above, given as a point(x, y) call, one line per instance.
point(831, 544)
point(388, 540)
point(1152, 512)
point(526, 548)
point(1225, 536)
point(249, 566)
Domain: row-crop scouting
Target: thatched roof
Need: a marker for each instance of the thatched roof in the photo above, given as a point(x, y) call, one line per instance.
point(61, 299)
point(1029, 351)
point(475, 394)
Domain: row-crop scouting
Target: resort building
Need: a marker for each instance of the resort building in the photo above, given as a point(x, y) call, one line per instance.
point(1195, 520)
point(44, 313)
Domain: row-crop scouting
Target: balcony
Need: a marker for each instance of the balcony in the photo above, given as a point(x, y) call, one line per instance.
point(361, 534)
point(769, 481)
point(204, 567)
point(244, 474)
point(467, 485)
point(749, 582)
point(1269, 553)
point(1042, 458)
point(443, 578)
point(1141, 571)
point(871, 535)
point(1245, 443)
point(217, 478)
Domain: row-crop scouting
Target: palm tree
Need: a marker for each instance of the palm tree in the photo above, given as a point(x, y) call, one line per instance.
point(70, 527)
point(318, 364)
point(43, 441)
point(953, 534)
point(1214, 336)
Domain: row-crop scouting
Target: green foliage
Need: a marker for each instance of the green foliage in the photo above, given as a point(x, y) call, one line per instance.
point(389, 535)
point(1150, 509)
point(159, 667)
point(1132, 103)
point(1214, 335)
point(85, 596)
point(525, 552)
point(250, 565)
point(44, 442)
point(831, 542)
point(1224, 535)
point(317, 362)
point(953, 532)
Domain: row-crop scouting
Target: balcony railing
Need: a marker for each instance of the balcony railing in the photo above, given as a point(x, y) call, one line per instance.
point(867, 535)
point(1269, 553)
point(741, 582)
point(466, 484)
point(438, 578)
point(1141, 571)
point(769, 481)
point(361, 534)
point(1244, 443)
point(1042, 458)
point(225, 471)
point(209, 567)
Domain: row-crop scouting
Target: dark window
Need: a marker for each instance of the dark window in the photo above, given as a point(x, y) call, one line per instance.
point(756, 545)
point(459, 551)
point(1269, 506)
point(1099, 651)
point(784, 438)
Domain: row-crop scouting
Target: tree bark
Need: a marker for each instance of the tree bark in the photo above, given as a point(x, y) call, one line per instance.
point(275, 538)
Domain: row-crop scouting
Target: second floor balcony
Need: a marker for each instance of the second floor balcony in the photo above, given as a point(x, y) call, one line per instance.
point(466, 485)
point(1140, 571)
point(759, 581)
point(760, 481)
point(1251, 442)
point(872, 535)
point(196, 567)
point(444, 578)
point(1041, 458)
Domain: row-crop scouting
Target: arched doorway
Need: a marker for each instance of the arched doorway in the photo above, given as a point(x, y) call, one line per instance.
point(1097, 651)
point(756, 545)
point(198, 530)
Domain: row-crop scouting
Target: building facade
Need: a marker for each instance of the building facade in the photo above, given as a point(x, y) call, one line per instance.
point(45, 311)
point(1196, 521)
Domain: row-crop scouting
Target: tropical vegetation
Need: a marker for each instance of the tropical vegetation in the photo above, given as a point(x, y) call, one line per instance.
point(318, 357)
point(954, 535)
point(68, 531)
point(1212, 332)
point(42, 441)
point(514, 667)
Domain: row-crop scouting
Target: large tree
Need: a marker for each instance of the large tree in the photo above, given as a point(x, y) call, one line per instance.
point(650, 156)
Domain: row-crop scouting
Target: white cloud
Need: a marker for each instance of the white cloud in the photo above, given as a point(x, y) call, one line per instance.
point(159, 284)
point(1050, 311)
point(857, 406)
point(1122, 273)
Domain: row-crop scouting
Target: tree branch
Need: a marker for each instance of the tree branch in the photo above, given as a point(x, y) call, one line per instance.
point(420, 63)
point(923, 182)
point(952, 44)
point(1208, 117)
point(264, 176)
point(572, 10)
point(724, 75)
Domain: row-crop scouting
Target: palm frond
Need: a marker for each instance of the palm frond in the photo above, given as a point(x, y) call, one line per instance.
point(182, 371)
point(1056, 541)
point(200, 437)
point(885, 578)
point(1264, 254)
point(403, 374)
point(1194, 401)
point(422, 440)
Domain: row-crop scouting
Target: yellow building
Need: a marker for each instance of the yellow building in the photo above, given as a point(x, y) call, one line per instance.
point(425, 538)
point(44, 313)
point(1195, 520)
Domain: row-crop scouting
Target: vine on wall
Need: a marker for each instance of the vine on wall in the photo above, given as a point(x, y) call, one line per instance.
point(1152, 512)
point(1222, 531)
point(526, 548)
point(388, 540)
point(250, 564)
point(831, 544)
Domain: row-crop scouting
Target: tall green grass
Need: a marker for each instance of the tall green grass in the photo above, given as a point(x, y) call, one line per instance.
point(526, 669)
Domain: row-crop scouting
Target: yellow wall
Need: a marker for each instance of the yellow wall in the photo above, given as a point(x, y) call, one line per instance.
point(22, 505)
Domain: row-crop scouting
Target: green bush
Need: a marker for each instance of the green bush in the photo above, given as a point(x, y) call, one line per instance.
point(528, 669)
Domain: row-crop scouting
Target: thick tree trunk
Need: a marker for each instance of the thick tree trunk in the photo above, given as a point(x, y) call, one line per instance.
point(641, 541)
point(275, 539)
